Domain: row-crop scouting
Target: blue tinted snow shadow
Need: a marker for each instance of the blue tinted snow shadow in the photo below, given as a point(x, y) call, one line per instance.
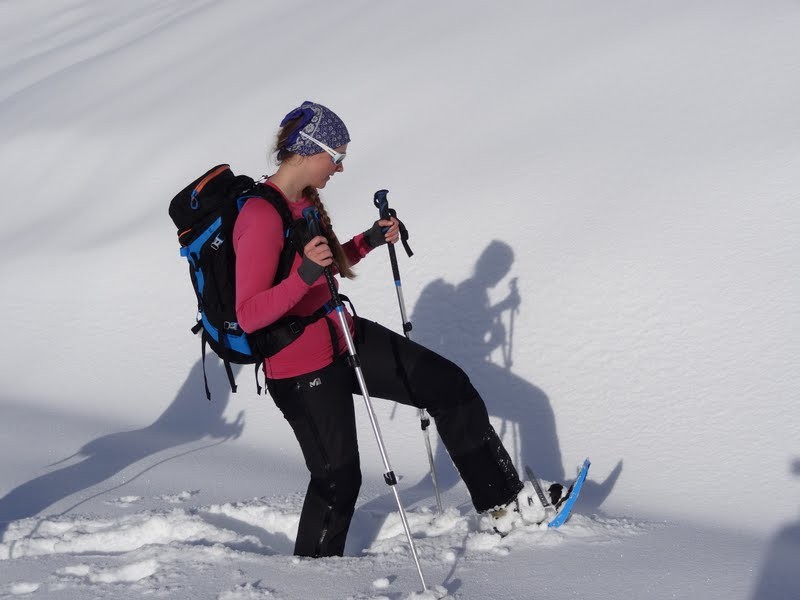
point(779, 578)
point(188, 418)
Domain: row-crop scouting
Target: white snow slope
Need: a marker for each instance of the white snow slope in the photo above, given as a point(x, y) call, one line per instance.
point(633, 165)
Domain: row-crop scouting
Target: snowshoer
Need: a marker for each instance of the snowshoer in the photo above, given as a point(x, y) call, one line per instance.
point(311, 381)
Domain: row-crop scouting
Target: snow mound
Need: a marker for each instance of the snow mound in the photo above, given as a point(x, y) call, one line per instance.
point(445, 537)
point(248, 591)
point(125, 574)
point(22, 587)
point(87, 535)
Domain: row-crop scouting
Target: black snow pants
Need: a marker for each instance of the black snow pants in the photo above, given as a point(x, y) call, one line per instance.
point(320, 409)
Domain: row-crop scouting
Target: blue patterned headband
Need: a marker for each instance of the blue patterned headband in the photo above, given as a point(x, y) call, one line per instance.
point(320, 123)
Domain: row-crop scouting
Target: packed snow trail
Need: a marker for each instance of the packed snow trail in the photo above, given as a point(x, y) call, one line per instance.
point(141, 551)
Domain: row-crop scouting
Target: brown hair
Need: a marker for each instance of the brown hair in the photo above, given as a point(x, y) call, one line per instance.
point(282, 154)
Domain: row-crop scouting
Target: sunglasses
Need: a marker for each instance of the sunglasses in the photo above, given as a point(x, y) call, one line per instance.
point(336, 157)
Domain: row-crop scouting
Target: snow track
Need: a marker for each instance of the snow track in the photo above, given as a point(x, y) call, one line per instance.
point(144, 551)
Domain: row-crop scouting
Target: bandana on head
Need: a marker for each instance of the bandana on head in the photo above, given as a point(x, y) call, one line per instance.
point(320, 123)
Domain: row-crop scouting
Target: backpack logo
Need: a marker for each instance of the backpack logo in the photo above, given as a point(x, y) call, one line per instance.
point(315, 382)
point(230, 326)
point(217, 242)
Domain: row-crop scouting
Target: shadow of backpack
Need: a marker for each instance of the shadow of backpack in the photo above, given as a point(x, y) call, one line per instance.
point(204, 213)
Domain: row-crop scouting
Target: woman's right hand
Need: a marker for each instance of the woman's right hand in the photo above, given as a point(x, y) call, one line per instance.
point(318, 251)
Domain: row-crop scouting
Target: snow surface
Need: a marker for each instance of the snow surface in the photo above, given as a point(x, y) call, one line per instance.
point(633, 166)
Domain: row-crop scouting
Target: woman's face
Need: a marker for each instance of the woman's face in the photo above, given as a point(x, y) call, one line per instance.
point(321, 167)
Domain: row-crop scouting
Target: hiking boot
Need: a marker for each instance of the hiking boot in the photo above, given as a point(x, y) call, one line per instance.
point(505, 518)
point(523, 510)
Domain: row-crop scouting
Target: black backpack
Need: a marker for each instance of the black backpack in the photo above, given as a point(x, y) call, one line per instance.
point(204, 213)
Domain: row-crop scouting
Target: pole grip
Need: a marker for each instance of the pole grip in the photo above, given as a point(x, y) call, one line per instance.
point(311, 215)
point(382, 204)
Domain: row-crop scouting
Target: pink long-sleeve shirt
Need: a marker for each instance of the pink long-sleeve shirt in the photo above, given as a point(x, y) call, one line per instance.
point(257, 241)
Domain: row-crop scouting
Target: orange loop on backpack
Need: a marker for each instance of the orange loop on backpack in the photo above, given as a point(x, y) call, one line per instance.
point(208, 178)
point(183, 233)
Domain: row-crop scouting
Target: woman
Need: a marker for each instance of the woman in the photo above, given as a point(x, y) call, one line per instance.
point(311, 381)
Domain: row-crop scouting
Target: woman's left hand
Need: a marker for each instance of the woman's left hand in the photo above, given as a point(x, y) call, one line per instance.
point(393, 233)
point(376, 236)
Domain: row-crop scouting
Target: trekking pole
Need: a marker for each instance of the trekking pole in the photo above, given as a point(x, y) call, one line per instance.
point(382, 203)
point(311, 216)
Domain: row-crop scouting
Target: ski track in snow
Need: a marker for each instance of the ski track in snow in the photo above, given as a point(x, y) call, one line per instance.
point(154, 551)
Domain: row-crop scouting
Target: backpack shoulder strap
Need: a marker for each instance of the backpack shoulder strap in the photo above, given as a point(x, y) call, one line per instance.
point(275, 198)
point(271, 195)
point(290, 247)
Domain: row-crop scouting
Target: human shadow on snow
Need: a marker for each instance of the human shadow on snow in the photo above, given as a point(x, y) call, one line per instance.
point(779, 578)
point(189, 418)
point(460, 323)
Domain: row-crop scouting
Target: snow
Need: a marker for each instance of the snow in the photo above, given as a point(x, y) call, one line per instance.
point(631, 165)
